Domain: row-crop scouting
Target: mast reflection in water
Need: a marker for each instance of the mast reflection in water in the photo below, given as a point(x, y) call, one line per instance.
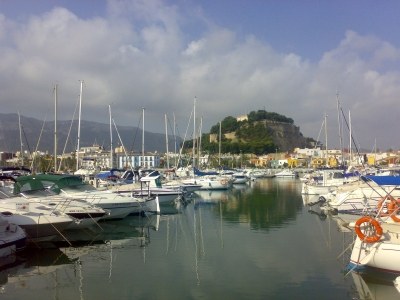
point(255, 241)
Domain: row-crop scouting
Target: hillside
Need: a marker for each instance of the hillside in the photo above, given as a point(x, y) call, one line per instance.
point(91, 133)
point(259, 132)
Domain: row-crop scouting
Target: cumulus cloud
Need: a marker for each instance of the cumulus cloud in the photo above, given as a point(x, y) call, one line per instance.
point(146, 54)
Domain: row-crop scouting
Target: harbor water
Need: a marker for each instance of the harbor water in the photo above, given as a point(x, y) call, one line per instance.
point(255, 241)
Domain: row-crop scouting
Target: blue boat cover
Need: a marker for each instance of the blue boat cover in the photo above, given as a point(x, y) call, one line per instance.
point(383, 180)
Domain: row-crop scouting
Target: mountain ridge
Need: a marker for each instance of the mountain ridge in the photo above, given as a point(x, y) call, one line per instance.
point(40, 134)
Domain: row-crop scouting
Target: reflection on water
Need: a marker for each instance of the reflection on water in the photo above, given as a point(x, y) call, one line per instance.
point(375, 287)
point(255, 241)
point(38, 267)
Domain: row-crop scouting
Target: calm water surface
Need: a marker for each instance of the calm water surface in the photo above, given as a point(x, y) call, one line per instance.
point(257, 241)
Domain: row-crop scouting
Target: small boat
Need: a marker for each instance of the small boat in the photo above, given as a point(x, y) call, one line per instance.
point(211, 182)
point(327, 181)
point(12, 238)
point(286, 173)
point(151, 185)
point(240, 178)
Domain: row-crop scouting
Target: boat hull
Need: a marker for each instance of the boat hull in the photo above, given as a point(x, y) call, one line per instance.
point(383, 255)
point(13, 239)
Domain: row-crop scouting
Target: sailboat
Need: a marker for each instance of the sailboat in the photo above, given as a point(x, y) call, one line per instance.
point(377, 244)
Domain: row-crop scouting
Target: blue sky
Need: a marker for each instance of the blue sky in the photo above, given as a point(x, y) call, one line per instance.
point(289, 57)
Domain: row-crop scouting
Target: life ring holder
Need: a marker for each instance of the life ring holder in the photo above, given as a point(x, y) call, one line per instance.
point(382, 202)
point(378, 231)
point(392, 207)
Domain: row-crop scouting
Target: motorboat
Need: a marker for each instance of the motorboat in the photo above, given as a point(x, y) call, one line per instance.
point(34, 189)
point(118, 205)
point(12, 237)
point(286, 173)
point(151, 185)
point(39, 221)
point(326, 181)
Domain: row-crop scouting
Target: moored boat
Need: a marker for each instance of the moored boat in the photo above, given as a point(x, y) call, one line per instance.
point(12, 238)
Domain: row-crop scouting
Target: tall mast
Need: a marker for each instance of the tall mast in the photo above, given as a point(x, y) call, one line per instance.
point(219, 145)
point(340, 126)
point(326, 140)
point(143, 137)
point(194, 132)
point(55, 128)
point(111, 139)
point(350, 136)
point(175, 141)
point(20, 139)
point(199, 141)
point(79, 125)
point(166, 140)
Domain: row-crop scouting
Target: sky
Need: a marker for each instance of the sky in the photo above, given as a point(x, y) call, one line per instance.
point(302, 59)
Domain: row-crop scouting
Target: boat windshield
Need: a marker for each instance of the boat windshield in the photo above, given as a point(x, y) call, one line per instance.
point(4, 194)
point(78, 188)
point(39, 193)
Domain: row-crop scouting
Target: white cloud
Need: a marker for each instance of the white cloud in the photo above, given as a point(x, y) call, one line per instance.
point(142, 55)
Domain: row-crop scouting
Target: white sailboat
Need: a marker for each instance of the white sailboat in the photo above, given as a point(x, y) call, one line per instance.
point(377, 244)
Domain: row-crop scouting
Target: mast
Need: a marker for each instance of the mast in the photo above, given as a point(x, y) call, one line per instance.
point(79, 125)
point(55, 128)
point(340, 127)
point(194, 131)
point(199, 141)
point(219, 145)
point(350, 135)
point(111, 139)
point(20, 139)
point(326, 140)
point(143, 137)
point(175, 142)
point(166, 140)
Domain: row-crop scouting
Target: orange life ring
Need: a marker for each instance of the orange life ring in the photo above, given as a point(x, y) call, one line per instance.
point(224, 181)
point(393, 208)
point(378, 231)
point(389, 205)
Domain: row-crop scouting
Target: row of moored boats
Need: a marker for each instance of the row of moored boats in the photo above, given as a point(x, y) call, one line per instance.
point(37, 208)
point(367, 202)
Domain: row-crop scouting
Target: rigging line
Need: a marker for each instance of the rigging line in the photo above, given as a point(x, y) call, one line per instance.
point(345, 250)
point(137, 129)
point(122, 143)
point(27, 144)
point(319, 134)
point(340, 125)
point(126, 155)
point(37, 145)
point(184, 139)
point(352, 136)
point(69, 132)
point(172, 127)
